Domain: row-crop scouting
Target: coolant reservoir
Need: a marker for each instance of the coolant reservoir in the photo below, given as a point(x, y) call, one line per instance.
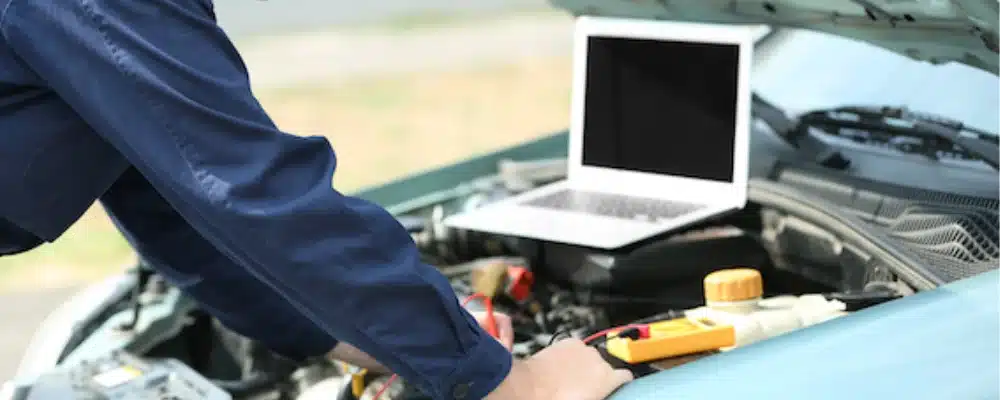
point(734, 297)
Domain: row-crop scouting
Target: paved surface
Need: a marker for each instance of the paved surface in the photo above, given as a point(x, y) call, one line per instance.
point(20, 314)
point(297, 58)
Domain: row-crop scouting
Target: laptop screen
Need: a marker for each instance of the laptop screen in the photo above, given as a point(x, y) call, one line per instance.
point(661, 107)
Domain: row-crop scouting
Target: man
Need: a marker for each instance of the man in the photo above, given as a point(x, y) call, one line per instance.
point(146, 106)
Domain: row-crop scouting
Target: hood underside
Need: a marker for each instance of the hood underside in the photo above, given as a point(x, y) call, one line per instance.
point(936, 31)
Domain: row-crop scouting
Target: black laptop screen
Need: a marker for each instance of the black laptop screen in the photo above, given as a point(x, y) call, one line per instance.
point(661, 107)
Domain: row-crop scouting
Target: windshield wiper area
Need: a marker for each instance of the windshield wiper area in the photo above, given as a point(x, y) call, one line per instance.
point(793, 132)
point(887, 127)
point(903, 130)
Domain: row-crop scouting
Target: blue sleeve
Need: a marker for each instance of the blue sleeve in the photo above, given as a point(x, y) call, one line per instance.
point(161, 82)
point(246, 305)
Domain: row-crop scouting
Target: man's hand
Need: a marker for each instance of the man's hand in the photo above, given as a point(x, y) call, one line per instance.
point(544, 376)
point(567, 370)
point(505, 327)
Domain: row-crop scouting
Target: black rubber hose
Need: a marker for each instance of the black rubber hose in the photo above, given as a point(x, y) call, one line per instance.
point(862, 300)
point(254, 384)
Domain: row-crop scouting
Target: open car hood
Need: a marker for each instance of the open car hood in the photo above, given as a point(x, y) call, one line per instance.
point(936, 31)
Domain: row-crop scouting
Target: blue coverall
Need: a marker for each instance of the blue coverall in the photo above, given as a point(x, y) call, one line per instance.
point(146, 106)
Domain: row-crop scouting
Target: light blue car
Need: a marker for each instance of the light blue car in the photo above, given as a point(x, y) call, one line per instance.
point(904, 207)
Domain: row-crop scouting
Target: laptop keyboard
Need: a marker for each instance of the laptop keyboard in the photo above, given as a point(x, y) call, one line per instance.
point(612, 205)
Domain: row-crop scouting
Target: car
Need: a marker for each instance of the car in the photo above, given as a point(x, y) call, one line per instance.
point(874, 186)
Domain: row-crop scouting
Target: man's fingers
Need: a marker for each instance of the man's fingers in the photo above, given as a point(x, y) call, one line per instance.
point(623, 376)
point(505, 329)
point(618, 378)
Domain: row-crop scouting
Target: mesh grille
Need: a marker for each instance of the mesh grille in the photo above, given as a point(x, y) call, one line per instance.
point(958, 242)
point(956, 235)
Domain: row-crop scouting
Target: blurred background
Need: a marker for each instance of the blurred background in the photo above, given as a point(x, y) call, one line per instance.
point(396, 86)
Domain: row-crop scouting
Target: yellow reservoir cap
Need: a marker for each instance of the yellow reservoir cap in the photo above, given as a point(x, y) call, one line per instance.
point(736, 284)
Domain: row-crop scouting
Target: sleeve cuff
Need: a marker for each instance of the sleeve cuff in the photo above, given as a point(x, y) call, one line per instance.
point(485, 367)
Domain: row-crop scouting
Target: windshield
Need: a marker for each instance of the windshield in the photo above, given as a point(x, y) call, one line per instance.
point(801, 70)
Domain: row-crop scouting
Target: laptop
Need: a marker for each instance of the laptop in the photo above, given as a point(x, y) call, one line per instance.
point(658, 138)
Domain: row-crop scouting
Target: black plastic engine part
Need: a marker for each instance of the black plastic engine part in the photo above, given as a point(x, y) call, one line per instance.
point(862, 300)
point(648, 269)
point(240, 366)
point(444, 245)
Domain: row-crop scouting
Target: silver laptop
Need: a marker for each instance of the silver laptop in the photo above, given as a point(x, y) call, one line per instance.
point(658, 138)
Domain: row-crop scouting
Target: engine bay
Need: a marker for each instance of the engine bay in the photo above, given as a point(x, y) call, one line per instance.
point(656, 305)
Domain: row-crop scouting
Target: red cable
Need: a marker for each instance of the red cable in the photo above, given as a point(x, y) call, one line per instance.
point(385, 387)
point(491, 322)
point(491, 328)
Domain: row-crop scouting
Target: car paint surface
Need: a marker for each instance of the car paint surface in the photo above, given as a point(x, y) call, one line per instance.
point(934, 31)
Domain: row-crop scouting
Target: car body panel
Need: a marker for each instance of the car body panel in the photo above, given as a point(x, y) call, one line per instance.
point(936, 31)
point(809, 70)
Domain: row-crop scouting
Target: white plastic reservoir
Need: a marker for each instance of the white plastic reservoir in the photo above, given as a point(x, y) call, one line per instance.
point(733, 297)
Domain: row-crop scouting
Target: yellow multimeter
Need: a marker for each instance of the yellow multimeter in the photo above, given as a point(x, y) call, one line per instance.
point(676, 337)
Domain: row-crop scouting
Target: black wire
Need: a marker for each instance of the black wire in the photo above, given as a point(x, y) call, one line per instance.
point(860, 301)
point(632, 333)
point(629, 332)
point(669, 315)
point(563, 331)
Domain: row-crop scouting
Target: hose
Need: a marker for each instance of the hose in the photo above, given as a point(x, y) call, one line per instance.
point(861, 300)
point(255, 383)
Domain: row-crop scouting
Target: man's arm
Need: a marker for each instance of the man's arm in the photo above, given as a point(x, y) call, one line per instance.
point(160, 81)
point(168, 243)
